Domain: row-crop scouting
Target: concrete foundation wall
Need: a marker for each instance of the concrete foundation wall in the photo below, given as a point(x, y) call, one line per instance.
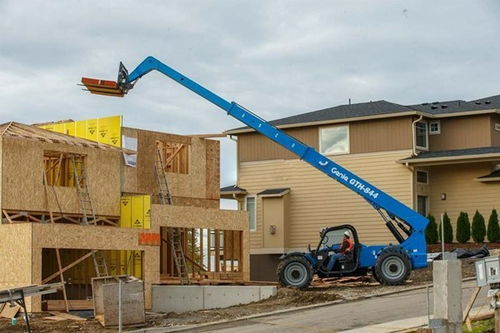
point(192, 298)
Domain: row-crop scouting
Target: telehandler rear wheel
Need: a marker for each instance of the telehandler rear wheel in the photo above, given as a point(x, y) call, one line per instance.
point(295, 271)
point(393, 266)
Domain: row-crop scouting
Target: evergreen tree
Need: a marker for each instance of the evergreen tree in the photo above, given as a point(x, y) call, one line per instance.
point(463, 228)
point(478, 228)
point(448, 229)
point(493, 228)
point(431, 232)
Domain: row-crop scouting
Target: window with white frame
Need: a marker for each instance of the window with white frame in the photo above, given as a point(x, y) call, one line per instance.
point(435, 127)
point(250, 207)
point(421, 135)
point(422, 177)
point(334, 140)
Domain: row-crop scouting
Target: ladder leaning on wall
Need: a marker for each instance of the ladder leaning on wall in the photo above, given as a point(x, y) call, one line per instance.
point(174, 234)
point(81, 185)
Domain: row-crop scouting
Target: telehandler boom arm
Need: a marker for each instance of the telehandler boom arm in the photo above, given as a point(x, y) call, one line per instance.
point(399, 218)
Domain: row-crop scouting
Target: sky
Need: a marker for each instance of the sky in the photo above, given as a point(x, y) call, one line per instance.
point(276, 58)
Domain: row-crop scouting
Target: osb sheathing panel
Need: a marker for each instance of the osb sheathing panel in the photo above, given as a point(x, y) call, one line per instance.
point(15, 256)
point(92, 237)
point(22, 178)
point(213, 169)
point(202, 180)
point(195, 217)
point(1, 159)
point(195, 202)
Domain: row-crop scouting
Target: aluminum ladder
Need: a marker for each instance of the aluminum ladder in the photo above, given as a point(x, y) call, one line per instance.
point(174, 234)
point(81, 184)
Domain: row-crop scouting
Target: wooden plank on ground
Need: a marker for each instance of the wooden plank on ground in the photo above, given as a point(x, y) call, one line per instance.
point(67, 316)
point(10, 311)
point(78, 304)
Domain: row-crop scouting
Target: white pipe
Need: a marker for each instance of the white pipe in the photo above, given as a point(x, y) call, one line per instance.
point(413, 131)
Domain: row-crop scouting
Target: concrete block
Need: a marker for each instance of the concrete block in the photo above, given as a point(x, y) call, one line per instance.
point(177, 298)
point(447, 290)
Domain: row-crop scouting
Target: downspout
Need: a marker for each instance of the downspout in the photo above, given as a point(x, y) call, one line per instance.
point(413, 130)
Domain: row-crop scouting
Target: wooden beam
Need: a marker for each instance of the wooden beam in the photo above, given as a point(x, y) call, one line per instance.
point(232, 249)
point(171, 157)
point(58, 256)
point(471, 302)
point(201, 246)
point(7, 216)
point(217, 250)
point(61, 274)
point(196, 264)
point(209, 251)
point(209, 135)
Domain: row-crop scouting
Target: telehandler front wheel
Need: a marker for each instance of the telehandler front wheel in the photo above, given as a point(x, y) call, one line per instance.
point(295, 271)
point(393, 266)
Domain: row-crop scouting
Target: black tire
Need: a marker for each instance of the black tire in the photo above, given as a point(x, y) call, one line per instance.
point(393, 266)
point(374, 274)
point(295, 271)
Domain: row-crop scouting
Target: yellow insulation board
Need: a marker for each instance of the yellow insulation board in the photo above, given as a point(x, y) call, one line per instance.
point(103, 130)
point(135, 212)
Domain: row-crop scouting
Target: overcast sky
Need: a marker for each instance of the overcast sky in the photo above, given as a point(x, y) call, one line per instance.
point(277, 58)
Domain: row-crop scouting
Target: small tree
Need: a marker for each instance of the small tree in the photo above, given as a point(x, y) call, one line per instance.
point(478, 228)
point(448, 229)
point(493, 228)
point(431, 232)
point(463, 228)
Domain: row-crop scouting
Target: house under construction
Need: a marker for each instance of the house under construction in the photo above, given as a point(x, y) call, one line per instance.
point(144, 203)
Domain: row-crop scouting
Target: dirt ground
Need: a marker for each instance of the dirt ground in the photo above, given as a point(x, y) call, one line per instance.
point(319, 292)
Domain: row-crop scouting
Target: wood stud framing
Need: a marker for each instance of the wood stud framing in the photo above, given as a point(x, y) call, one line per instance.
point(217, 254)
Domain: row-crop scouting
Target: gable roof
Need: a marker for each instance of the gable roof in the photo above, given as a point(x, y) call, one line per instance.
point(382, 109)
point(27, 132)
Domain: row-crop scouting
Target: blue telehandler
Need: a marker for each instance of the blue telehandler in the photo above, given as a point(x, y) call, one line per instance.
point(389, 263)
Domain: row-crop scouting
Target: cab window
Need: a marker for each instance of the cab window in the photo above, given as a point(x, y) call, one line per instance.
point(333, 238)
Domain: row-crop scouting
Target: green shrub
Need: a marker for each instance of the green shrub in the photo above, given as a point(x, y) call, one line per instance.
point(431, 232)
point(448, 229)
point(493, 228)
point(463, 228)
point(478, 228)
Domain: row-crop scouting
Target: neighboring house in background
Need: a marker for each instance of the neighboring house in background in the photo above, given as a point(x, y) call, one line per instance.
point(434, 157)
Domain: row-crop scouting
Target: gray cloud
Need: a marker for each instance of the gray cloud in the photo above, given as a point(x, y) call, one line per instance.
point(277, 58)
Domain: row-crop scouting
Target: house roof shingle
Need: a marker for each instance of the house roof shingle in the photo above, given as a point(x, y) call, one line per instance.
point(381, 108)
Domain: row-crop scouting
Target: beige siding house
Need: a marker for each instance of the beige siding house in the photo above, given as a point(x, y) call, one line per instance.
point(434, 157)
